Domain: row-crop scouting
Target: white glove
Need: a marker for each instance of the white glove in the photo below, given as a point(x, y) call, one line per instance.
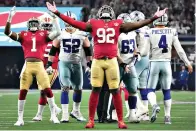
point(51, 7)
point(160, 13)
point(52, 15)
point(11, 14)
point(49, 70)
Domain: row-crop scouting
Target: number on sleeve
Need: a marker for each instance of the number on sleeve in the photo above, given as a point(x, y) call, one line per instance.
point(71, 45)
point(33, 49)
point(106, 35)
point(127, 46)
point(163, 42)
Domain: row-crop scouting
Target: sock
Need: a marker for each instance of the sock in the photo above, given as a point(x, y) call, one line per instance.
point(65, 111)
point(93, 102)
point(117, 100)
point(77, 100)
point(167, 102)
point(152, 97)
point(40, 110)
point(21, 104)
point(76, 106)
point(132, 112)
point(132, 102)
point(48, 92)
point(64, 97)
point(22, 94)
point(42, 99)
point(139, 103)
point(51, 106)
point(143, 93)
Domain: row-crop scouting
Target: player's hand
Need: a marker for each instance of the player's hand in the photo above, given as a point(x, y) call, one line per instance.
point(12, 13)
point(49, 70)
point(160, 13)
point(89, 64)
point(88, 72)
point(125, 67)
point(190, 69)
point(52, 15)
point(51, 7)
point(137, 56)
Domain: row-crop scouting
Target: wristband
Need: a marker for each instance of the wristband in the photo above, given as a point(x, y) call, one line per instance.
point(10, 33)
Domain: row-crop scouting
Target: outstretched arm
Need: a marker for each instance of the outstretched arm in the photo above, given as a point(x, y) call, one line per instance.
point(129, 26)
point(77, 24)
point(7, 31)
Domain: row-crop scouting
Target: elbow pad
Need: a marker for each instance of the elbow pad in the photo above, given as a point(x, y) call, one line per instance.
point(53, 51)
point(87, 51)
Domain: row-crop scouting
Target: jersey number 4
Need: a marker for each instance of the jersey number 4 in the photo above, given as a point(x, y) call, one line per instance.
point(105, 35)
point(163, 44)
point(71, 45)
point(127, 46)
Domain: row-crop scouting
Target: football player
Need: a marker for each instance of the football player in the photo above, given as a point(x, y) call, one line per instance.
point(70, 42)
point(141, 67)
point(160, 40)
point(105, 31)
point(33, 42)
point(47, 24)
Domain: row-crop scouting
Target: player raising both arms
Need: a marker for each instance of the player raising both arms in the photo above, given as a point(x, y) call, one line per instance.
point(105, 32)
point(47, 24)
point(71, 43)
point(160, 41)
point(33, 42)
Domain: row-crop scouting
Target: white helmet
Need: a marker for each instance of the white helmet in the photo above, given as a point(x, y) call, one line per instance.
point(137, 16)
point(125, 17)
point(106, 12)
point(73, 16)
point(163, 20)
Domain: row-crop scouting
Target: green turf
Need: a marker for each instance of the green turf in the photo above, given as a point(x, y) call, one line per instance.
point(183, 114)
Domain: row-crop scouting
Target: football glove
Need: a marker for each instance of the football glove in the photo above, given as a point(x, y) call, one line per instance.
point(137, 56)
point(49, 69)
point(89, 64)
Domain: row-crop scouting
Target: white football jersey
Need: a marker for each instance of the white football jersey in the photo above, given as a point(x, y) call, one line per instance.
point(127, 45)
point(160, 42)
point(71, 46)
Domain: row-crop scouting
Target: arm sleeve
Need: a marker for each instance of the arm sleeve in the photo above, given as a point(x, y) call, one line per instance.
point(77, 24)
point(180, 50)
point(55, 32)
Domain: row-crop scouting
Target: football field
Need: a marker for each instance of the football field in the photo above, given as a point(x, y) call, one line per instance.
point(183, 113)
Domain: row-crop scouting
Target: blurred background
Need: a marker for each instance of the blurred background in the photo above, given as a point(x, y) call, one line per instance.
point(181, 17)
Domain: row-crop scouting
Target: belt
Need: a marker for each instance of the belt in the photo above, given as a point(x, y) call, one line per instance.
point(104, 58)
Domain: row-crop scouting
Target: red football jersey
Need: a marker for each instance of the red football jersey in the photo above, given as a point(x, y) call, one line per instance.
point(105, 36)
point(46, 54)
point(34, 43)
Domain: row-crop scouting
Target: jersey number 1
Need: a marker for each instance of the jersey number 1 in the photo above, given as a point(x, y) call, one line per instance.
point(33, 49)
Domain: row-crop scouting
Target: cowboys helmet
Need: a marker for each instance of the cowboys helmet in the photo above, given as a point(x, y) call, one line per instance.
point(106, 12)
point(125, 17)
point(163, 20)
point(33, 24)
point(137, 16)
point(73, 16)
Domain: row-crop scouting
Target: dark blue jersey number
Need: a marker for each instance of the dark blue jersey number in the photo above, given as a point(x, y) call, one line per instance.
point(127, 46)
point(71, 45)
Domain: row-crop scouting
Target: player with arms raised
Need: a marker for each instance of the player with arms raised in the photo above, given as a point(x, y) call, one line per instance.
point(160, 41)
point(47, 24)
point(105, 32)
point(33, 42)
point(71, 43)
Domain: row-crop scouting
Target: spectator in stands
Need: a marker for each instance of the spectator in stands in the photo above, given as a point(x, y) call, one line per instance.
point(15, 76)
point(183, 78)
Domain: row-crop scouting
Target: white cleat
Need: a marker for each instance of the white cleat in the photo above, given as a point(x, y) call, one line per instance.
point(65, 118)
point(57, 110)
point(37, 118)
point(133, 119)
point(155, 111)
point(114, 115)
point(19, 123)
point(55, 120)
point(167, 120)
point(144, 117)
point(77, 115)
point(141, 111)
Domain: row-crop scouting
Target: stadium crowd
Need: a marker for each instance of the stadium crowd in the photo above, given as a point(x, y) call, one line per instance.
point(181, 12)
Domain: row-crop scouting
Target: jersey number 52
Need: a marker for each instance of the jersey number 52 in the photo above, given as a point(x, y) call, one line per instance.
point(71, 45)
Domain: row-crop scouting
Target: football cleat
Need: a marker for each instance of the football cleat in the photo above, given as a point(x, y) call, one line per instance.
point(77, 115)
point(55, 120)
point(37, 118)
point(65, 118)
point(141, 111)
point(155, 110)
point(144, 117)
point(19, 123)
point(114, 115)
point(122, 125)
point(90, 124)
point(133, 119)
point(167, 120)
